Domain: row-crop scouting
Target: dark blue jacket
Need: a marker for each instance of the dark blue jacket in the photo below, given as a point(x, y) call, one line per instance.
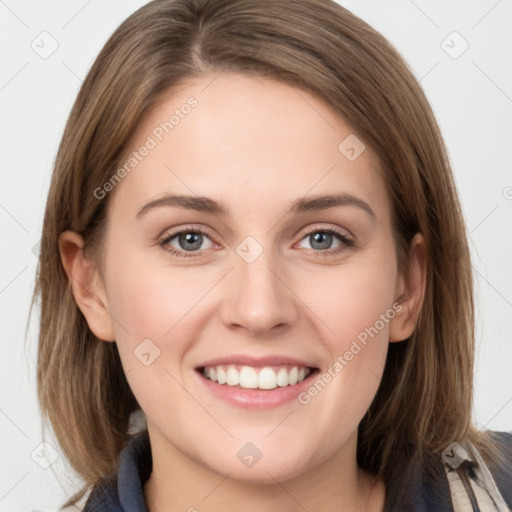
point(409, 491)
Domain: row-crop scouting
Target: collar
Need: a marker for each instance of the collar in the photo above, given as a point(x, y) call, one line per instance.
point(421, 487)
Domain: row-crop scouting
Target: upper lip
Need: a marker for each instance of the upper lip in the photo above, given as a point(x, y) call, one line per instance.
point(245, 360)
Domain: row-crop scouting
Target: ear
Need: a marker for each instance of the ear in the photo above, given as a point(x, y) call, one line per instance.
point(86, 285)
point(410, 292)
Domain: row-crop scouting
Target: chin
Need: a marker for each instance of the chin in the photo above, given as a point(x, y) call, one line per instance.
point(265, 466)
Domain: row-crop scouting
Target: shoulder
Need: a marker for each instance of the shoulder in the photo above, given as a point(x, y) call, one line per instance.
point(104, 498)
point(501, 471)
point(503, 440)
point(125, 490)
point(421, 484)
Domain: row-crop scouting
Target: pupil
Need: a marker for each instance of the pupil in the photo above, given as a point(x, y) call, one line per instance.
point(323, 239)
point(193, 241)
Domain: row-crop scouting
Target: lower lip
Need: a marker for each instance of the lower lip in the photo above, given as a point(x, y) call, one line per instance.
point(257, 398)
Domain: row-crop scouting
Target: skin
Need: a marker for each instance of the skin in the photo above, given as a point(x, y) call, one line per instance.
point(256, 145)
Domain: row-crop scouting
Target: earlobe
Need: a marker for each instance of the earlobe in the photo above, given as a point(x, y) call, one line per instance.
point(411, 292)
point(87, 288)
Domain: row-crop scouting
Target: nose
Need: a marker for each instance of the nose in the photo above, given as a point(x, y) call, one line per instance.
point(259, 297)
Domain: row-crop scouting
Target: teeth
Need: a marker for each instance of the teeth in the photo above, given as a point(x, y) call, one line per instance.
point(282, 377)
point(249, 378)
point(221, 375)
point(233, 377)
point(267, 379)
point(292, 376)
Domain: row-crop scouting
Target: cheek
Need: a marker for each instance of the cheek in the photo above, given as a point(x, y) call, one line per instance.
point(353, 297)
point(356, 306)
point(159, 313)
point(156, 322)
point(152, 301)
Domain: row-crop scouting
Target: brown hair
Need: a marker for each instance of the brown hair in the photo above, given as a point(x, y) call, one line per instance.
point(321, 47)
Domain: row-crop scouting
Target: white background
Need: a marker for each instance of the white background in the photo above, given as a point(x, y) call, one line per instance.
point(471, 96)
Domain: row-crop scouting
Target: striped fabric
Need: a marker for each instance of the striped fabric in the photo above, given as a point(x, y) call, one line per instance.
point(472, 487)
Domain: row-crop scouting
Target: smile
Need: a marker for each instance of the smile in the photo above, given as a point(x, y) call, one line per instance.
point(250, 377)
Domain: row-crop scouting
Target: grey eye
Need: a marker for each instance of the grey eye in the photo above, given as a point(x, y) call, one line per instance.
point(321, 240)
point(189, 241)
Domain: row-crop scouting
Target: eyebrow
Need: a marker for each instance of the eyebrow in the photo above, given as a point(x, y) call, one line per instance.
point(303, 204)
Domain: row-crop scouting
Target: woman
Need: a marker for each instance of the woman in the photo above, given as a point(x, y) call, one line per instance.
point(253, 239)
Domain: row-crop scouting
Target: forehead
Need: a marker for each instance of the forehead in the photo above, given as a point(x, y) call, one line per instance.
point(253, 143)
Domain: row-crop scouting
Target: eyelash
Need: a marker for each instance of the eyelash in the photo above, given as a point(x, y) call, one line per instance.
point(346, 242)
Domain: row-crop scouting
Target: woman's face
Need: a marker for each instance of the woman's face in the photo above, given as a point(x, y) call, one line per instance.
point(253, 270)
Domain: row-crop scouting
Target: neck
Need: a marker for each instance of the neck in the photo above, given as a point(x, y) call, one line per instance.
point(337, 484)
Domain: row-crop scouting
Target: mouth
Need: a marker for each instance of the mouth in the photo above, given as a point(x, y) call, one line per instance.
point(256, 377)
point(256, 384)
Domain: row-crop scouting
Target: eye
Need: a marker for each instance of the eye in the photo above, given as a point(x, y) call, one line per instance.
point(186, 241)
point(189, 242)
point(321, 240)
